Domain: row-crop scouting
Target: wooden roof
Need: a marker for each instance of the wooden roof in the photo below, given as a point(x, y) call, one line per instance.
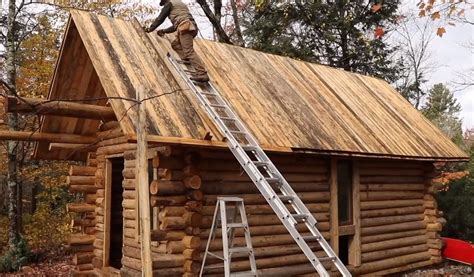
point(285, 103)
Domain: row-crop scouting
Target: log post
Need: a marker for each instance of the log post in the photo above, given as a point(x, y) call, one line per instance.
point(143, 186)
point(432, 216)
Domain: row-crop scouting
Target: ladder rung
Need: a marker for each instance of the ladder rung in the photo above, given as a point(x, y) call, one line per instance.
point(286, 198)
point(238, 132)
point(227, 118)
point(249, 147)
point(240, 250)
point(236, 225)
point(218, 106)
point(259, 163)
point(273, 180)
point(207, 93)
point(311, 238)
point(325, 259)
point(243, 274)
point(300, 217)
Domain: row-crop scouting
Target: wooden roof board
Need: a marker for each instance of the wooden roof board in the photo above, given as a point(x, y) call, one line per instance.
point(284, 102)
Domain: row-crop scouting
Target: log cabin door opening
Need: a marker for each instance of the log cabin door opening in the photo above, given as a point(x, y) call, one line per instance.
point(113, 235)
point(345, 211)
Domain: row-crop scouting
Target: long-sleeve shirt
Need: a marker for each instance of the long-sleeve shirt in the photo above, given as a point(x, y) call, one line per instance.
point(165, 12)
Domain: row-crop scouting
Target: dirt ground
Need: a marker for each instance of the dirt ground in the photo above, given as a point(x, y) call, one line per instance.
point(51, 266)
point(445, 269)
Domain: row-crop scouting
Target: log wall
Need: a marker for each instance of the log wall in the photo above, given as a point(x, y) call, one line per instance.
point(399, 218)
point(81, 181)
point(400, 222)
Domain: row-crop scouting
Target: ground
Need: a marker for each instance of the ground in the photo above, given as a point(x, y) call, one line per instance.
point(446, 268)
point(58, 266)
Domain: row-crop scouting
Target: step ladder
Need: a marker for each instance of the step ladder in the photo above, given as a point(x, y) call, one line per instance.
point(264, 174)
point(229, 250)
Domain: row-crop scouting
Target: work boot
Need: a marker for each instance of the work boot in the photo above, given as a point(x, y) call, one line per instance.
point(203, 78)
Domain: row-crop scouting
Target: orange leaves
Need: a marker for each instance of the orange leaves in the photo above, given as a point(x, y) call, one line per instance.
point(435, 15)
point(447, 177)
point(441, 31)
point(376, 7)
point(379, 32)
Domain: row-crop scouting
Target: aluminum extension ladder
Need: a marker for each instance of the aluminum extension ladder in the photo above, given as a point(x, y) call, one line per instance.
point(264, 174)
point(228, 233)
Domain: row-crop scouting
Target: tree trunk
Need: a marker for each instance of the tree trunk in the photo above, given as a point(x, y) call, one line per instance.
point(238, 30)
point(12, 177)
point(223, 37)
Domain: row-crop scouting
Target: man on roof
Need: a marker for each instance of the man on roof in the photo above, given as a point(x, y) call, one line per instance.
point(184, 24)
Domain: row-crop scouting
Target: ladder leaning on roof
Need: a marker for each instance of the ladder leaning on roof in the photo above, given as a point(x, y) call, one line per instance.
point(264, 174)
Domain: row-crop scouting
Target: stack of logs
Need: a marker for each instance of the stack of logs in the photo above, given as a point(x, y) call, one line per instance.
point(177, 196)
point(395, 235)
point(81, 180)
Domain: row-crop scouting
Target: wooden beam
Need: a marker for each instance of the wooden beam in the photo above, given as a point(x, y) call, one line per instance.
point(59, 108)
point(143, 187)
point(72, 147)
point(154, 139)
point(333, 209)
point(46, 137)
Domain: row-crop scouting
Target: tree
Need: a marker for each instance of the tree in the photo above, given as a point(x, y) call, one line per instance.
point(344, 34)
point(449, 12)
point(414, 38)
point(442, 109)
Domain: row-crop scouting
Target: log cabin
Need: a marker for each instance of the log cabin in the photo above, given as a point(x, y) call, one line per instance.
point(356, 152)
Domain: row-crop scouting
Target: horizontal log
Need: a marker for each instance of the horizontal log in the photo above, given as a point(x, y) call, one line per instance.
point(228, 187)
point(392, 179)
point(374, 205)
point(83, 222)
point(60, 108)
point(237, 176)
point(159, 260)
point(389, 253)
point(392, 187)
point(266, 209)
point(192, 182)
point(285, 166)
point(76, 170)
point(378, 221)
point(308, 197)
point(81, 248)
point(109, 125)
point(407, 226)
point(388, 236)
point(46, 137)
point(393, 243)
point(83, 188)
point(378, 171)
point(163, 188)
point(79, 208)
point(278, 229)
point(191, 242)
point(116, 149)
point(168, 162)
point(84, 267)
point(390, 195)
point(259, 220)
point(79, 239)
point(135, 269)
point(156, 201)
point(375, 266)
point(392, 211)
point(82, 258)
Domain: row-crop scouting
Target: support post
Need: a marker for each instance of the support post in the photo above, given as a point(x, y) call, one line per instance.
point(143, 187)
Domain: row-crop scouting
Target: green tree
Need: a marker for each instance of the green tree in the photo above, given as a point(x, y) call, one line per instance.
point(344, 34)
point(457, 203)
point(442, 109)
